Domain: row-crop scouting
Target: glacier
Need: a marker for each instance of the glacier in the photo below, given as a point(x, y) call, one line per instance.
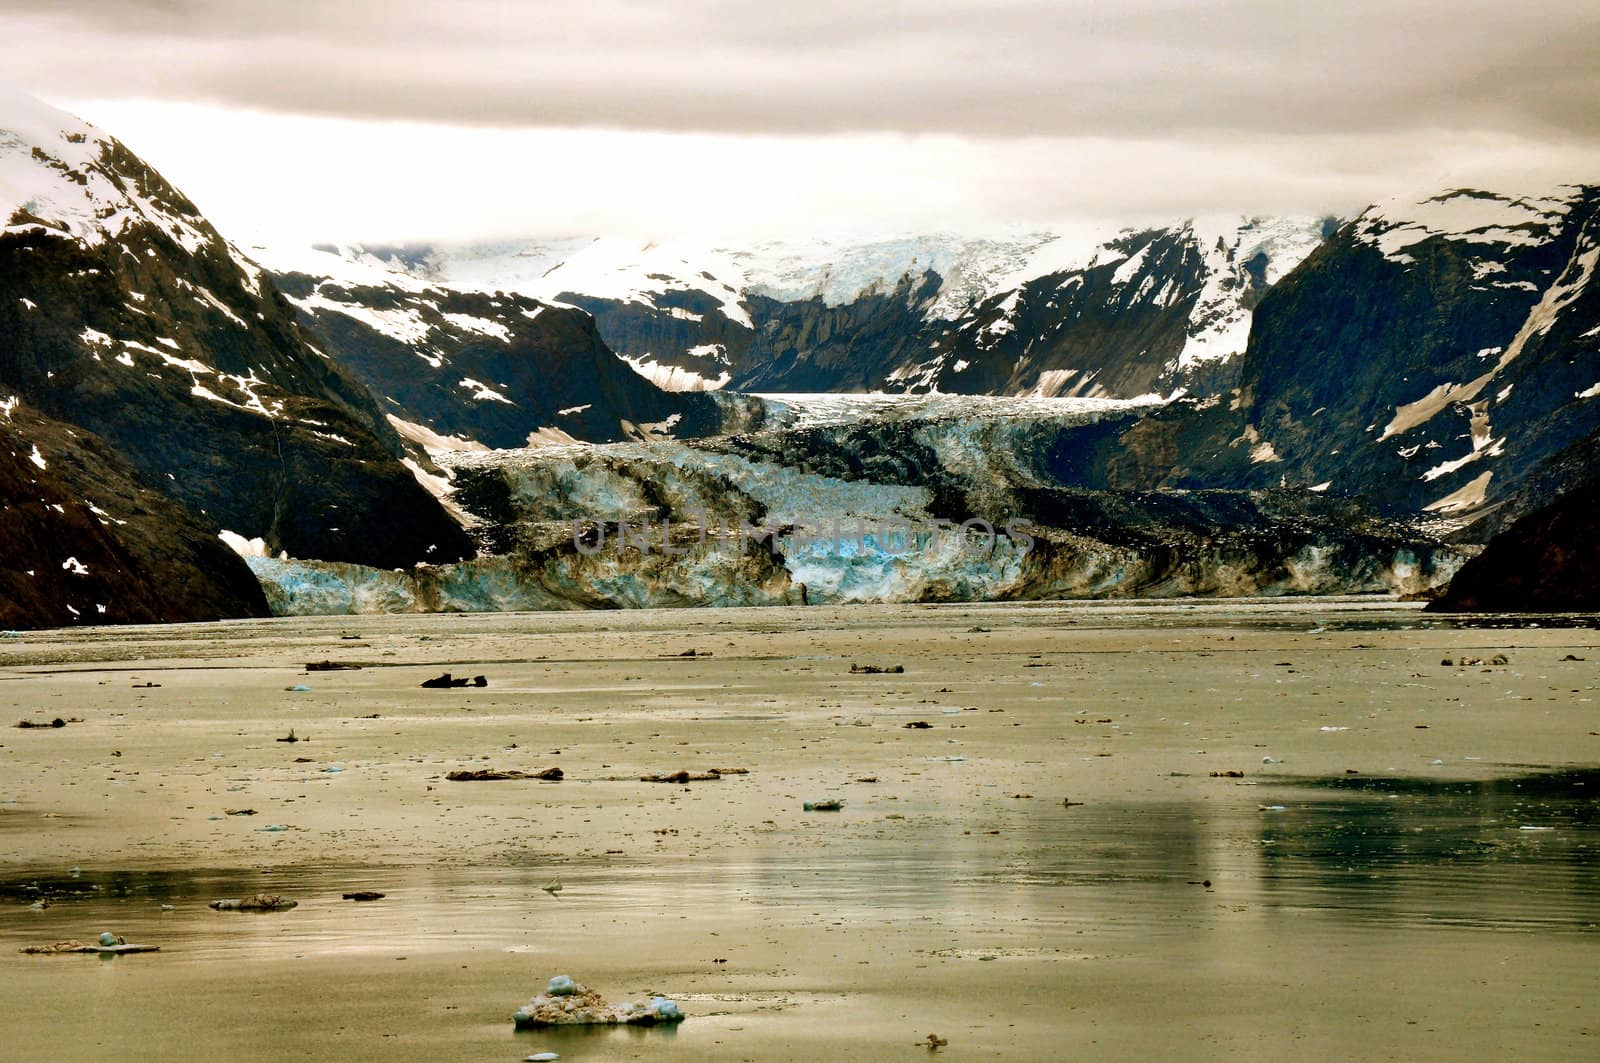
point(855, 499)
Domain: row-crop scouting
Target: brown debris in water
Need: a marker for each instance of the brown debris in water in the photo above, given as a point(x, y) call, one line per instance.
point(446, 681)
point(257, 902)
point(493, 775)
point(59, 948)
point(681, 777)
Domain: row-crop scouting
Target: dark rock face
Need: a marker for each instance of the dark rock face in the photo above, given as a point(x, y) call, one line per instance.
point(125, 314)
point(1411, 376)
point(489, 369)
point(808, 346)
point(85, 543)
point(1106, 329)
point(1549, 561)
point(686, 333)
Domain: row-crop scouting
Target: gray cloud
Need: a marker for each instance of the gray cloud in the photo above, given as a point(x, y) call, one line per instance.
point(977, 68)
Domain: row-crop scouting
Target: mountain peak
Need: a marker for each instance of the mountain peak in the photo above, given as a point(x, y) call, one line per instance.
point(62, 176)
point(45, 155)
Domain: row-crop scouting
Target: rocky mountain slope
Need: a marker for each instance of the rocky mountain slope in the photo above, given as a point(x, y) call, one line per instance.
point(124, 314)
point(484, 368)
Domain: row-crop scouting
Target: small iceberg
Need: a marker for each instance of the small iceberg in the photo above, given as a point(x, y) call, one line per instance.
point(568, 1003)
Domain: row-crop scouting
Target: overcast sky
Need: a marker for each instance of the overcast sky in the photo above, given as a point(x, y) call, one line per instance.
point(305, 119)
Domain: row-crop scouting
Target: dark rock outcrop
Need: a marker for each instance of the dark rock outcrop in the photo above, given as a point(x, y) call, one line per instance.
point(1546, 562)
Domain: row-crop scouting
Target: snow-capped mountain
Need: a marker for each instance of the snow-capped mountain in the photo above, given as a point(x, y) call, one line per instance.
point(125, 315)
point(1095, 312)
point(1436, 356)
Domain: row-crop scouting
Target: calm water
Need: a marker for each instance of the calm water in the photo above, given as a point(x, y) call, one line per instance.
point(1517, 854)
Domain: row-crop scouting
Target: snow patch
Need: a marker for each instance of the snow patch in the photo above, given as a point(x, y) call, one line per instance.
point(1467, 497)
point(242, 546)
point(1263, 453)
point(482, 392)
point(223, 308)
point(432, 441)
point(1464, 216)
point(402, 324)
point(714, 351)
point(1219, 325)
point(480, 325)
point(437, 486)
point(675, 377)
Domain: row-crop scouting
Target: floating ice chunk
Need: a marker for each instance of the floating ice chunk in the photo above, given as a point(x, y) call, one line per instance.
point(567, 1003)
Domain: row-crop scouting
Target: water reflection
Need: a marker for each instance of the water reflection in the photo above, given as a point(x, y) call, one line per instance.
point(1513, 853)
